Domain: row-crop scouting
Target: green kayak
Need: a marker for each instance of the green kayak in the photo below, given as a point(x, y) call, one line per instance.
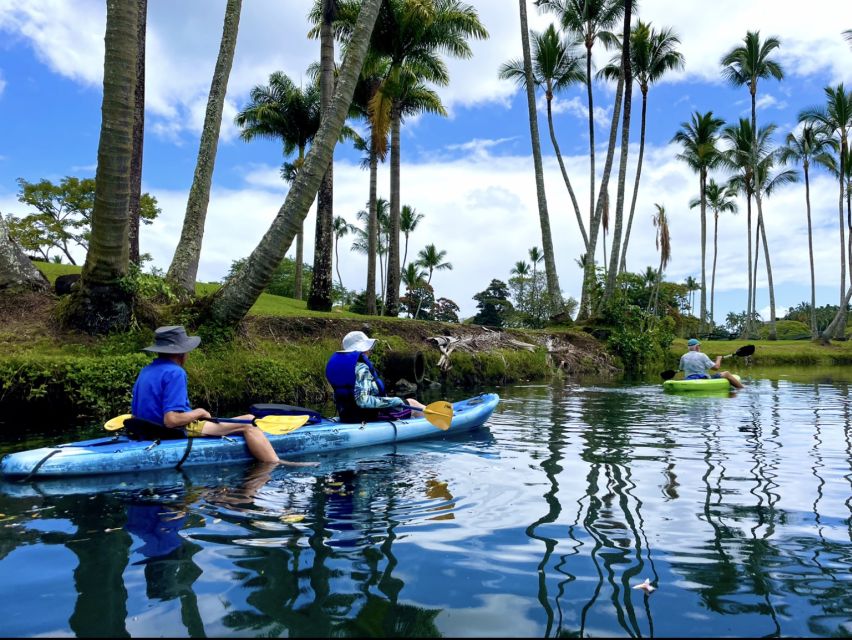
point(702, 384)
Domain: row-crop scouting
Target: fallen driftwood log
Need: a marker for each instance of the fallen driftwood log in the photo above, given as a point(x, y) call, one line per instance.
point(485, 341)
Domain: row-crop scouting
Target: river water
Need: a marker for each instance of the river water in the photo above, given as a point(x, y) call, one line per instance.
point(735, 507)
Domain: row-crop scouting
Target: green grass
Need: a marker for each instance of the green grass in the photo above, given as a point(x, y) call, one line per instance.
point(773, 352)
point(270, 305)
point(51, 271)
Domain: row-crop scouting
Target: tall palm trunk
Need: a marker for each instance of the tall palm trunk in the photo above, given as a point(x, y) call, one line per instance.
point(337, 261)
point(753, 310)
point(562, 168)
point(320, 297)
point(715, 254)
point(184, 267)
point(623, 263)
point(138, 133)
point(589, 277)
point(299, 272)
point(773, 334)
point(240, 292)
point(393, 271)
point(814, 331)
point(553, 289)
point(372, 233)
point(420, 301)
point(703, 193)
point(101, 304)
point(840, 327)
point(627, 73)
point(747, 325)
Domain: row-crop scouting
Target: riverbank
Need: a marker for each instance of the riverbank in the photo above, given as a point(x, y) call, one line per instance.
point(770, 353)
point(50, 372)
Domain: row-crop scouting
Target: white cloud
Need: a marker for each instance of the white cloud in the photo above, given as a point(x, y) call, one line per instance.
point(2, 82)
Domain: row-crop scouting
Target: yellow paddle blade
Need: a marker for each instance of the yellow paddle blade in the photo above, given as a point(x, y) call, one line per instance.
point(279, 425)
point(439, 414)
point(114, 424)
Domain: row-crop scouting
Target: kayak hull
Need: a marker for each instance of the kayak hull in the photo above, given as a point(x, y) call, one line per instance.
point(119, 454)
point(705, 384)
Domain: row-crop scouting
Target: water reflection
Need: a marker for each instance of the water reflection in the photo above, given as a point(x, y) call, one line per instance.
point(736, 508)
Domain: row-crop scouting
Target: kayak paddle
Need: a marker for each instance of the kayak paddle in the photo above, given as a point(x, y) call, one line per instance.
point(439, 414)
point(274, 425)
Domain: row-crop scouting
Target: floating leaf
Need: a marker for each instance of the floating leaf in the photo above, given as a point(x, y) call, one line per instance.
point(292, 517)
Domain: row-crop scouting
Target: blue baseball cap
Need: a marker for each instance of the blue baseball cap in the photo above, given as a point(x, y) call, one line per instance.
point(692, 342)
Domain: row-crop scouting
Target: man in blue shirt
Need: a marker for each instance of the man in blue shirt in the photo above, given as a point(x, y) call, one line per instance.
point(160, 396)
point(694, 365)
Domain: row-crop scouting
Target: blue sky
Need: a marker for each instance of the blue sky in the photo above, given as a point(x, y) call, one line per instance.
point(470, 174)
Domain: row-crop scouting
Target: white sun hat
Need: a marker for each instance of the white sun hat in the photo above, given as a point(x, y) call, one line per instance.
point(357, 341)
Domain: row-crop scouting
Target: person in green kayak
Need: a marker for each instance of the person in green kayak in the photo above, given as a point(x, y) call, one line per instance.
point(695, 364)
point(160, 396)
point(359, 392)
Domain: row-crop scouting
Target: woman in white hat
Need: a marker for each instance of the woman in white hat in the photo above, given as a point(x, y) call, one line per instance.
point(359, 392)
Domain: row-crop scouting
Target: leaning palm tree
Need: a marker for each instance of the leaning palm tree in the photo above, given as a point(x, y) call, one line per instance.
point(413, 278)
point(340, 229)
point(835, 120)
point(522, 271)
point(431, 259)
point(663, 243)
point(698, 139)
point(408, 221)
point(556, 66)
point(232, 302)
point(102, 304)
point(184, 265)
point(652, 54)
point(810, 145)
point(720, 199)
point(848, 36)
point(289, 114)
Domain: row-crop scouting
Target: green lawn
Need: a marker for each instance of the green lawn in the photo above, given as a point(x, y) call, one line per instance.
point(52, 271)
point(774, 352)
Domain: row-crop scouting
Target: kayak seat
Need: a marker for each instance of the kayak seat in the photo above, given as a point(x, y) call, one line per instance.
point(140, 429)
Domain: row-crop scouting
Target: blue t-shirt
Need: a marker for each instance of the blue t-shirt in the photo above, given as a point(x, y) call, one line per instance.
point(161, 387)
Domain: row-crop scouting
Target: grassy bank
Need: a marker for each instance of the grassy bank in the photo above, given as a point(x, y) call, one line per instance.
point(279, 355)
point(771, 352)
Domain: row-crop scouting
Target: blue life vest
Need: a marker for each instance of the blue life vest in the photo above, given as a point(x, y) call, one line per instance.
point(340, 372)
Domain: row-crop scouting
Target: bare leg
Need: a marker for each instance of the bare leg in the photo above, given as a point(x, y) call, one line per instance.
point(732, 379)
point(256, 440)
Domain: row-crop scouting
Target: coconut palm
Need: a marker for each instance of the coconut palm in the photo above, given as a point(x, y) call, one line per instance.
point(340, 229)
point(101, 304)
point(289, 114)
point(848, 36)
point(835, 120)
point(692, 286)
point(806, 147)
point(380, 210)
point(184, 265)
point(413, 278)
point(662, 241)
point(522, 271)
point(538, 169)
point(698, 139)
point(652, 54)
point(556, 66)
point(138, 134)
point(408, 221)
point(240, 291)
point(720, 199)
point(431, 259)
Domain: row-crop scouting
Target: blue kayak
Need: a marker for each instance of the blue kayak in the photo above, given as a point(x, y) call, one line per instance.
point(120, 455)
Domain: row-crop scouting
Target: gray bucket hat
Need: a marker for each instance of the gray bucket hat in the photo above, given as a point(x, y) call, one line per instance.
point(173, 340)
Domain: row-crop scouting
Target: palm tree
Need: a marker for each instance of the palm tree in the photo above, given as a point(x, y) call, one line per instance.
point(556, 66)
point(848, 36)
point(340, 228)
point(521, 270)
point(283, 112)
point(698, 139)
point(663, 244)
point(231, 303)
point(412, 278)
point(809, 146)
point(184, 265)
point(431, 259)
point(652, 54)
point(138, 133)
point(541, 196)
point(362, 244)
point(101, 304)
point(692, 286)
point(835, 120)
point(408, 221)
point(720, 199)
